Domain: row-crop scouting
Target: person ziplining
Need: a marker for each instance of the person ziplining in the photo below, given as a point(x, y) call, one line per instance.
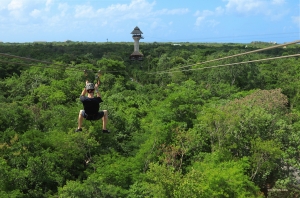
point(91, 106)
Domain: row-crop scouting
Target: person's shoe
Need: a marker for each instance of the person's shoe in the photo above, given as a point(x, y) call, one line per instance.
point(105, 131)
point(78, 130)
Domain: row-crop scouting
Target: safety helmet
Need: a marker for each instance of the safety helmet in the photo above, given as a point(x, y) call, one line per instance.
point(90, 86)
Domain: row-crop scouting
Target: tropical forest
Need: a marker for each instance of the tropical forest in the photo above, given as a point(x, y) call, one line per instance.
point(190, 120)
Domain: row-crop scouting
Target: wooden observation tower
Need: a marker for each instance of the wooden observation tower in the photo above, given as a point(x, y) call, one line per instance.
point(136, 35)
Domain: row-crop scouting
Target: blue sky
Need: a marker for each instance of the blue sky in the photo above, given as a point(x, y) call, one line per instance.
point(239, 21)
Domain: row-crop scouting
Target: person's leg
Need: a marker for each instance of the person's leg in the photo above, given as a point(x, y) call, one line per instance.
point(104, 119)
point(80, 118)
point(104, 116)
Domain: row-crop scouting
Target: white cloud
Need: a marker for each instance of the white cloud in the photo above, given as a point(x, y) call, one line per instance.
point(16, 8)
point(199, 21)
point(35, 13)
point(274, 16)
point(135, 10)
point(203, 17)
point(245, 6)
point(219, 11)
point(48, 5)
point(278, 2)
point(49, 2)
point(71, 15)
point(171, 12)
point(76, 11)
point(19, 10)
point(212, 23)
point(17, 15)
point(84, 11)
point(15, 5)
point(3, 4)
point(207, 13)
point(21, 4)
point(271, 9)
point(63, 7)
point(54, 21)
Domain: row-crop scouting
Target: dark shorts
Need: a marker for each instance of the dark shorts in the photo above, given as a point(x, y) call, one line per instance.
point(97, 116)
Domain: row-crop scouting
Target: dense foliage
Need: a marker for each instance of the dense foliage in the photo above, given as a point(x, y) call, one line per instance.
point(229, 131)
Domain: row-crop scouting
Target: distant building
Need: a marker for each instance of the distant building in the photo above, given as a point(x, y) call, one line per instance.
point(136, 35)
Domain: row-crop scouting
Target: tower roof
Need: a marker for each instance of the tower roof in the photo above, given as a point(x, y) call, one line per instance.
point(136, 31)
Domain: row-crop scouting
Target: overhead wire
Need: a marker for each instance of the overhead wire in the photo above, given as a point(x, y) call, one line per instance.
point(32, 65)
point(236, 55)
point(173, 70)
point(230, 64)
point(45, 62)
point(25, 58)
point(36, 60)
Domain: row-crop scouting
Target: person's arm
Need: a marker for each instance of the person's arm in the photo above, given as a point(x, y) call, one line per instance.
point(84, 89)
point(83, 92)
point(97, 90)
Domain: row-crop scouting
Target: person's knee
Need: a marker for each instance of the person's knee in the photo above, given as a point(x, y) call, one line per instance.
point(80, 113)
point(105, 112)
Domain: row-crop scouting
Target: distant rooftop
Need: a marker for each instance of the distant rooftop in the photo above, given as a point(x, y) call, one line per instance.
point(136, 31)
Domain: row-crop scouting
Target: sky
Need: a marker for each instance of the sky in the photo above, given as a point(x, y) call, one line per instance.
point(221, 21)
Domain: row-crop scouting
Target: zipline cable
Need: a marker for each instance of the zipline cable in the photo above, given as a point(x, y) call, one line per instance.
point(31, 65)
point(41, 61)
point(25, 58)
point(46, 62)
point(230, 64)
point(73, 69)
point(236, 55)
point(170, 70)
